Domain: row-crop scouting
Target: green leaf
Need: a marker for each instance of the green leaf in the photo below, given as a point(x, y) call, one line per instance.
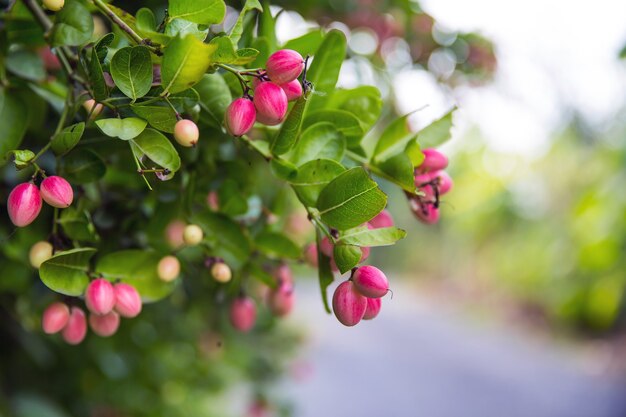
point(237, 30)
point(146, 26)
point(137, 267)
point(399, 169)
point(225, 236)
point(288, 134)
point(66, 139)
point(215, 97)
point(246, 56)
point(157, 148)
point(66, 272)
point(124, 129)
point(325, 274)
point(312, 177)
point(25, 64)
point(320, 141)
point(363, 102)
point(21, 158)
point(232, 202)
point(204, 12)
point(96, 76)
point(185, 61)
point(437, 132)
point(82, 166)
point(131, 69)
point(73, 25)
point(306, 44)
point(77, 225)
point(346, 257)
point(394, 139)
point(283, 169)
point(324, 71)
point(414, 152)
point(224, 51)
point(267, 29)
point(344, 121)
point(365, 237)
point(182, 28)
point(257, 272)
point(277, 246)
point(14, 120)
point(350, 200)
point(162, 118)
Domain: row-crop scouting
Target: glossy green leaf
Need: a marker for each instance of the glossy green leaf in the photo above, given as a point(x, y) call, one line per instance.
point(346, 257)
point(185, 61)
point(288, 134)
point(399, 169)
point(146, 26)
point(14, 120)
point(124, 129)
point(366, 237)
point(232, 202)
point(276, 245)
point(66, 272)
point(350, 199)
point(346, 122)
point(138, 268)
point(436, 133)
point(96, 76)
point(205, 12)
point(77, 225)
point(237, 30)
point(25, 64)
point(283, 169)
point(246, 56)
point(223, 52)
point(225, 236)
point(21, 158)
point(415, 154)
point(363, 102)
point(67, 139)
point(73, 25)
point(162, 118)
point(267, 28)
point(312, 177)
point(324, 70)
point(319, 141)
point(131, 69)
point(182, 28)
point(306, 44)
point(394, 139)
point(82, 166)
point(215, 97)
point(157, 148)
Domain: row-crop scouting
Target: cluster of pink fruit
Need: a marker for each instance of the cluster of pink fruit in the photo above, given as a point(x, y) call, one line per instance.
point(25, 200)
point(280, 301)
point(106, 303)
point(272, 90)
point(433, 182)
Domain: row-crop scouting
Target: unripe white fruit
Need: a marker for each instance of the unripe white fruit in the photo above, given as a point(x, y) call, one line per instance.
point(39, 253)
point(168, 268)
point(54, 5)
point(221, 272)
point(193, 234)
point(186, 133)
point(91, 104)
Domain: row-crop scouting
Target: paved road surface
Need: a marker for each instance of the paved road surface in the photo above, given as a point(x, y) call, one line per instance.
point(415, 362)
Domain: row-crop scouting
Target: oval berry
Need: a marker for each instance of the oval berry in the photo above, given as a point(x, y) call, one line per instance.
point(53, 5)
point(127, 300)
point(24, 204)
point(39, 253)
point(270, 102)
point(56, 191)
point(240, 117)
point(284, 65)
point(221, 272)
point(243, 313)
point(425, 212)
point(100, 297)
point(76, 328)
point(168, 268)
point(192, 234)
point(292, 89)
point(373, 308)
point(370, 281)
point(383, 219)
point(55, 317)
point(106, 325)
point(348, 305)
point(433, 161)
point(186, 133)
point(281, 299)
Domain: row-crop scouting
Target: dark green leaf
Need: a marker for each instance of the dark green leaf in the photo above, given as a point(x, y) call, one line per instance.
point(232, 202)
point(319, 141)
point(437, 132)
point(82, 166)
point(96, 76)
point(288, 134)
point(346, 257)
point(157, 148)
point(26, 64)
point(66, 139)
point(185, 61)
point(131, 69)
point(124, 129)
point(276, 245)
point(66, 272)
point(162, 118)
point(205, 12)
point(324, 71)
point(306, 44)
point(312, 177)
point(77, 225)
point(14, 120)
point(344, 121)
point(350, 200)
point(237, 30)
point(73, 25)
point(215, 97)
point(363, 236)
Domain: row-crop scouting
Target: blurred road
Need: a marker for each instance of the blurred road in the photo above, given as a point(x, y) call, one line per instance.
point(415, 362)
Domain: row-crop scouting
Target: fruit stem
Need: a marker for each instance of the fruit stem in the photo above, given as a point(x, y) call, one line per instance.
point(167, 100)
point(139, 168)
point(242, 80)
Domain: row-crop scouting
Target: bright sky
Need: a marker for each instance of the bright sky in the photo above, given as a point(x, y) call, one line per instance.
point(551, 53)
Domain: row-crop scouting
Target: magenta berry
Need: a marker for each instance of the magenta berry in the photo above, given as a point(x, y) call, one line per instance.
point(433, 161)
point(24, 204)
point(76, 328)
point(310, 254)
point(370, 281)
point(186, 133)
point(293, 90)
point(56, 191)
point(127, 300)
point(445, 182)
point(326, 247)
point(99, 296)
point(425, 212)
point(365, 253)
point(281, 299)
point(348, 305)
point(284, 65)
point(243, 313)
point(106, 325)
point(270, 102)
point(373, 308)
point(283, 275)
point(383, 219)
point(55, 317)
point(240, 117)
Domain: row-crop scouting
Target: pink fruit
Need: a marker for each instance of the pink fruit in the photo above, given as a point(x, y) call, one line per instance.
point(186, 133)
point(100, 297)
point(106, 325)
point(56, 191)
point(422, 179)
point(327, 247)
point(174, 233)
point(383, 219)
point(55, 317)
point(283, 275)
point(425, 212)
point(76, 328)
point(370, 281)
point(270, 102)
point(213, 200)
point(445, 182)
point(240, 117)
point(293, 90)
point(348, 305)
point(24, 204)
point(281, 299)
point(127, 300)
point(310, 254)
point(365, 253)
point(373, 308)
point(243, 313)
point(284, 65)
point(433, 161)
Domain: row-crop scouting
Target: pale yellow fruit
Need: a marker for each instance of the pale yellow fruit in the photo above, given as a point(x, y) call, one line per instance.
point(91, 104)
point(221, 272)
point(54, 5)
point(168, 268)
point(192, 235)
point(39, 253)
